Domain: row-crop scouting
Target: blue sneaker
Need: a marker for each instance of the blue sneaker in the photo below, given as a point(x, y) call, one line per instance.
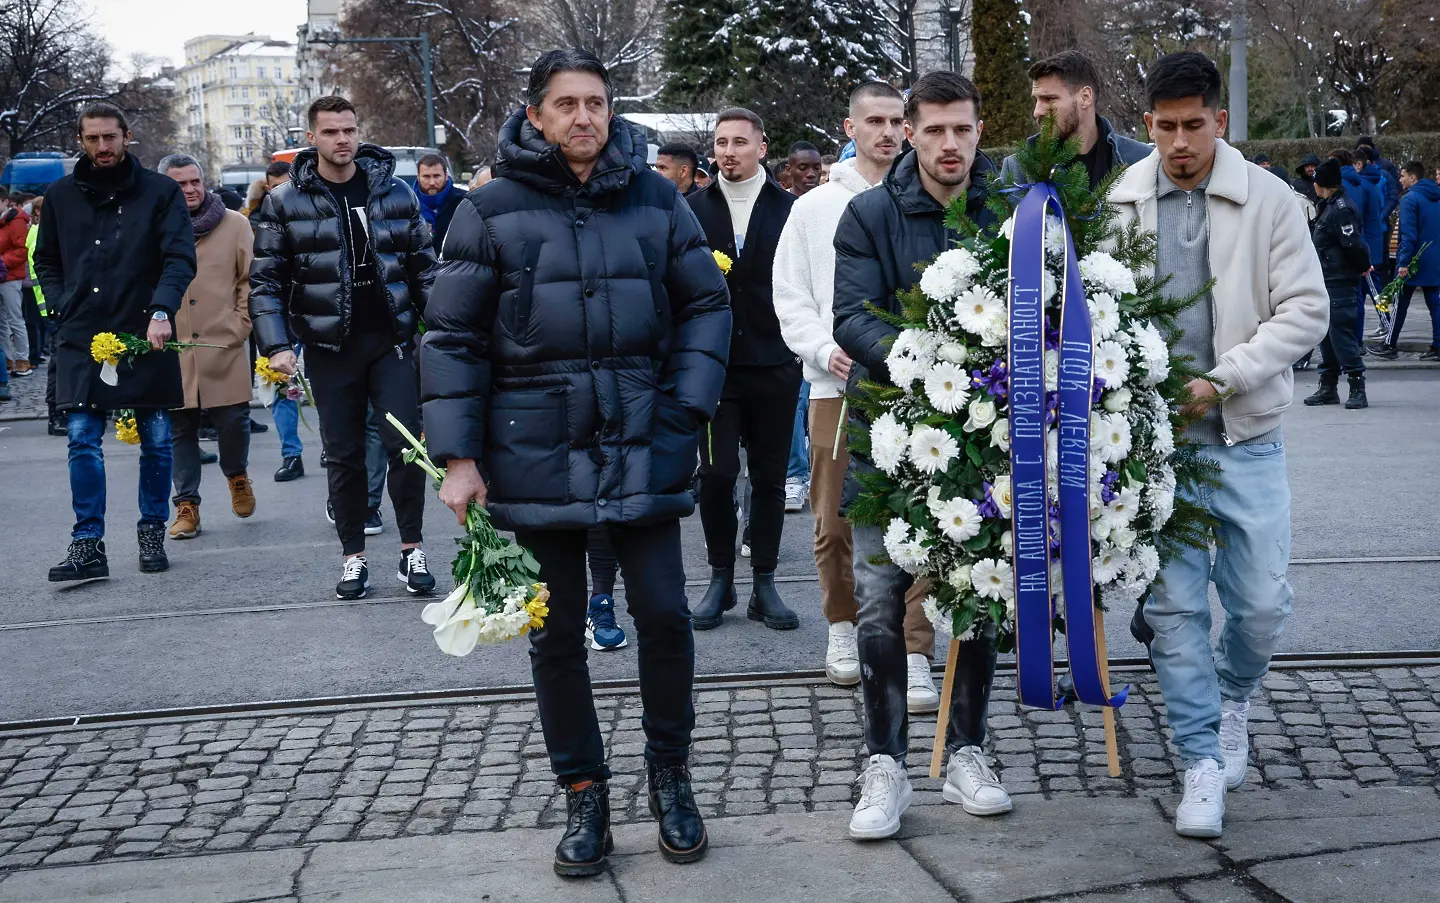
point(600, 628)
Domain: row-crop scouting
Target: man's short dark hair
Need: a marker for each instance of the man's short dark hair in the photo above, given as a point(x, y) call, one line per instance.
point(1344, 155)
point(277, 169)
point(738, 114)
point(330, 103)
point(829, 160)
point(941, 87)
point(802, 147)
point(1366, 151)
point(432, 160)
point(1073, 67)
point(1415, 167)
point(867, 90)
point(682, 152)
point(1185, 74)
point(102, 110)
point(553, 62)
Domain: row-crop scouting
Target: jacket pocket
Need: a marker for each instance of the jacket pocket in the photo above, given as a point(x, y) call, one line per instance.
point(525, 293)
point(674, 446)
point(527, 450)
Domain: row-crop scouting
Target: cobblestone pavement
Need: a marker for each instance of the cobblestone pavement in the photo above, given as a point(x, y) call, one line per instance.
point(27, 398)
point(273, 782)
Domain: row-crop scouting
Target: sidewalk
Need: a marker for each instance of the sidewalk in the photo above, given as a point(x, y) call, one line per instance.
point(447, 802)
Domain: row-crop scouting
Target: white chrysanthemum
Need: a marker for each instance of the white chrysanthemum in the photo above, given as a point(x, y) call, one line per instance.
point(993, 579)
point(889, 441)
point(1107, 564)
point(908, 553)
point(1122, 537)
point(1052, 459)
point(1049, 287)
point(932, 449)
point(1107, 274)
point(950, 274)
point(959, 519)
point(1007, 228)
point(1104, 315)
point(948, 387)
point(1154, 354)
point(1124, 508)
point(939, 620)
point(1111, 364)
point(1000, 434)
point(1145, 562)
point(1003, 495)
point(912, 556)
point(1118, 400)
point(1054, 237)
point(917, 343)
point(1111, 441)
point(904, 370)
point(997, 330)
point(982, 414)
point(975, 307)
point(1162, 504)
point(1122, 595)
point(1165, 438)
point(952, 353)
point(1052, 370)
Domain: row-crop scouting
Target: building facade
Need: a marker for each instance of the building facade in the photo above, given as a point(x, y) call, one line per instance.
point(313, 71)
point(238, 99)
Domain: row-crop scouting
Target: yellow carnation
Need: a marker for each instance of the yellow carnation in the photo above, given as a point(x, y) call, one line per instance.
point(724, 262)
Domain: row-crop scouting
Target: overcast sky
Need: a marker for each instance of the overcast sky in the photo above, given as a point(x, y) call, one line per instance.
point(162, 28)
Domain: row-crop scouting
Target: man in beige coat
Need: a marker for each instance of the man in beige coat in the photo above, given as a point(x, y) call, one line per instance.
point(215, 311)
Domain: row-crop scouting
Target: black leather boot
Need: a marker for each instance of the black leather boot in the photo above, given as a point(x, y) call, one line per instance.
point(1326, 394)
point(587, 839)
point(682, 831)
point(767, 606)
point(1357, 399)
point(153, 559)
point(85, 560)
point(719, 598)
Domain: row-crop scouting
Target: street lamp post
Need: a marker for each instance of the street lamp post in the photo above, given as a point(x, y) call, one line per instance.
point(425, 64)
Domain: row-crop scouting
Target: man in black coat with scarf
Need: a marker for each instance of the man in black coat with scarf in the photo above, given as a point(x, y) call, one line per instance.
point(115, 253)
point(577, 339)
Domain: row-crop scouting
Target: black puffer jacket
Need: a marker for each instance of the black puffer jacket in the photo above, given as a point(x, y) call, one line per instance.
point(1339, 237)
point(300, 277)
point(577, 336)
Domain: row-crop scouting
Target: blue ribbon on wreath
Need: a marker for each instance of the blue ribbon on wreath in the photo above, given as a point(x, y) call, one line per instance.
point(1030, 521)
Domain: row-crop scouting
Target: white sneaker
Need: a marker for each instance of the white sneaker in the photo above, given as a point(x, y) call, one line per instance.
point(842, 658)
point(1235, 741)
point(794, 496)
point(1202, 811)
point(970, 782)
point(921, 698)
point(884, 797)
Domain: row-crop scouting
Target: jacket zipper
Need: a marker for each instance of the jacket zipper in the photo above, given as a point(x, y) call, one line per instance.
point(1214, 321)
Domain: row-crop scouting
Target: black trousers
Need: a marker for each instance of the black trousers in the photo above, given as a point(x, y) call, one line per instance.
point(604, 565)
point(657, 603)
point(1340, 349)
point(758, 405)
point(232, 426)
point(369, 370)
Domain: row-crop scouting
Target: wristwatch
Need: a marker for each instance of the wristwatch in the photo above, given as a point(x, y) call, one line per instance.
point(160, 315)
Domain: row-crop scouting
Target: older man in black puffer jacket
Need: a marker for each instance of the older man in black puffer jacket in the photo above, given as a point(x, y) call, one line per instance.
point(578, 336)
point(342, 264)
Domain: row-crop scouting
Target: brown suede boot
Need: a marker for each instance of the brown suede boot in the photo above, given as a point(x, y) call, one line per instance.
point(187, 521)
point(242, 495)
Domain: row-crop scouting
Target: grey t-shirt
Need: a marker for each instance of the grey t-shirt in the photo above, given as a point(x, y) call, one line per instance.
point(1183, 226)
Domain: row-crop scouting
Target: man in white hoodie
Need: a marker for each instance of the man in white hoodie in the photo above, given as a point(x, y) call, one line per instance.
point(804, 281)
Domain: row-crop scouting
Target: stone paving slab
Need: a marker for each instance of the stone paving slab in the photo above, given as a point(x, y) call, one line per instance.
point(1408, 872)
point(280, 782)
point(200, 879)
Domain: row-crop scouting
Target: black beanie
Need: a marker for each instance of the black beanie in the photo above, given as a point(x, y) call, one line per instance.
point(1327, 174)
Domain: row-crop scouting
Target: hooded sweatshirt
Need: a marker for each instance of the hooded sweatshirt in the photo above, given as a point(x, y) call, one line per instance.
point(805, 275)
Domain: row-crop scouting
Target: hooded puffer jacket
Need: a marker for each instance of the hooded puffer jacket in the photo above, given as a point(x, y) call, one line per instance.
point(576, 338)
point(300, 277)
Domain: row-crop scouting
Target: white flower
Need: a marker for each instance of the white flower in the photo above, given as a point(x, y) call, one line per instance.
point(950, 274)
point(1111, 364)
point(1099, 525)
point(1165, 437)
point(1118, 400)
point(1000, 434)
point(938, 619)
point(1107, 274)
point(948, 387)
point(960, 578)
point(1007, 542)
point(437, 613)
point(959, 519)
point(996, 331)
point(1122, 537)
point(1000, 491)
point(982, 414)
point(1054, 237)
point(1145, 561)
point(461, 630)
point(889, 441)
point(1049, 286)
point(1106, 566)
point(1154, 354)
point(1162, 503)
point(1123, 509)
point(932, 449)
point(904, 370)
point(1052, 370)
point(952, 353)
point(1007, 228)
point(976, 307)
point(993, 579)
point(1052, 458)
point(917, 343)
point(908, 553)
point(1104, 315)
point(1110, 438)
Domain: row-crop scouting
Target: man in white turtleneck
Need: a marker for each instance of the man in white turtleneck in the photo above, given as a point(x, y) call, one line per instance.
point(743, 212)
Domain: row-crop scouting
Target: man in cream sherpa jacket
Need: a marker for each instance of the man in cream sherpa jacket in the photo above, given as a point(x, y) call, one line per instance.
point(804, 281)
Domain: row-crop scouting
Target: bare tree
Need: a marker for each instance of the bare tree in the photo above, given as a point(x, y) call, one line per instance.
point(624, 34)
point(50, 64)
point(147, 95)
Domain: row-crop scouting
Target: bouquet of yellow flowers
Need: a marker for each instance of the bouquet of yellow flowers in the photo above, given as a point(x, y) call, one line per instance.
point(110, 349)
point(724, 262)
point(127, 429)
point(295, 385)
point(498, 595)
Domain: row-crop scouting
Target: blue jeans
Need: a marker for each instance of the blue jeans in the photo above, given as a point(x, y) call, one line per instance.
point(1432, 301)
point(87, 470)
point(287, 423)
point(1252, 505)
point(799, 468)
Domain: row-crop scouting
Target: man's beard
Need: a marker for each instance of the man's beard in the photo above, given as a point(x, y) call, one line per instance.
point(1067, 123)
point(948, 179)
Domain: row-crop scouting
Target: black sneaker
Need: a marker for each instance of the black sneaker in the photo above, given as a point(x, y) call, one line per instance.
point(292, 469)
point(330, 513)
point(1432, 355)
point(354, 580)
point(374, 526)
point(153, 559)
point(208, 457)
point(414, 573)
point(257, 427)
point(84, 561)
